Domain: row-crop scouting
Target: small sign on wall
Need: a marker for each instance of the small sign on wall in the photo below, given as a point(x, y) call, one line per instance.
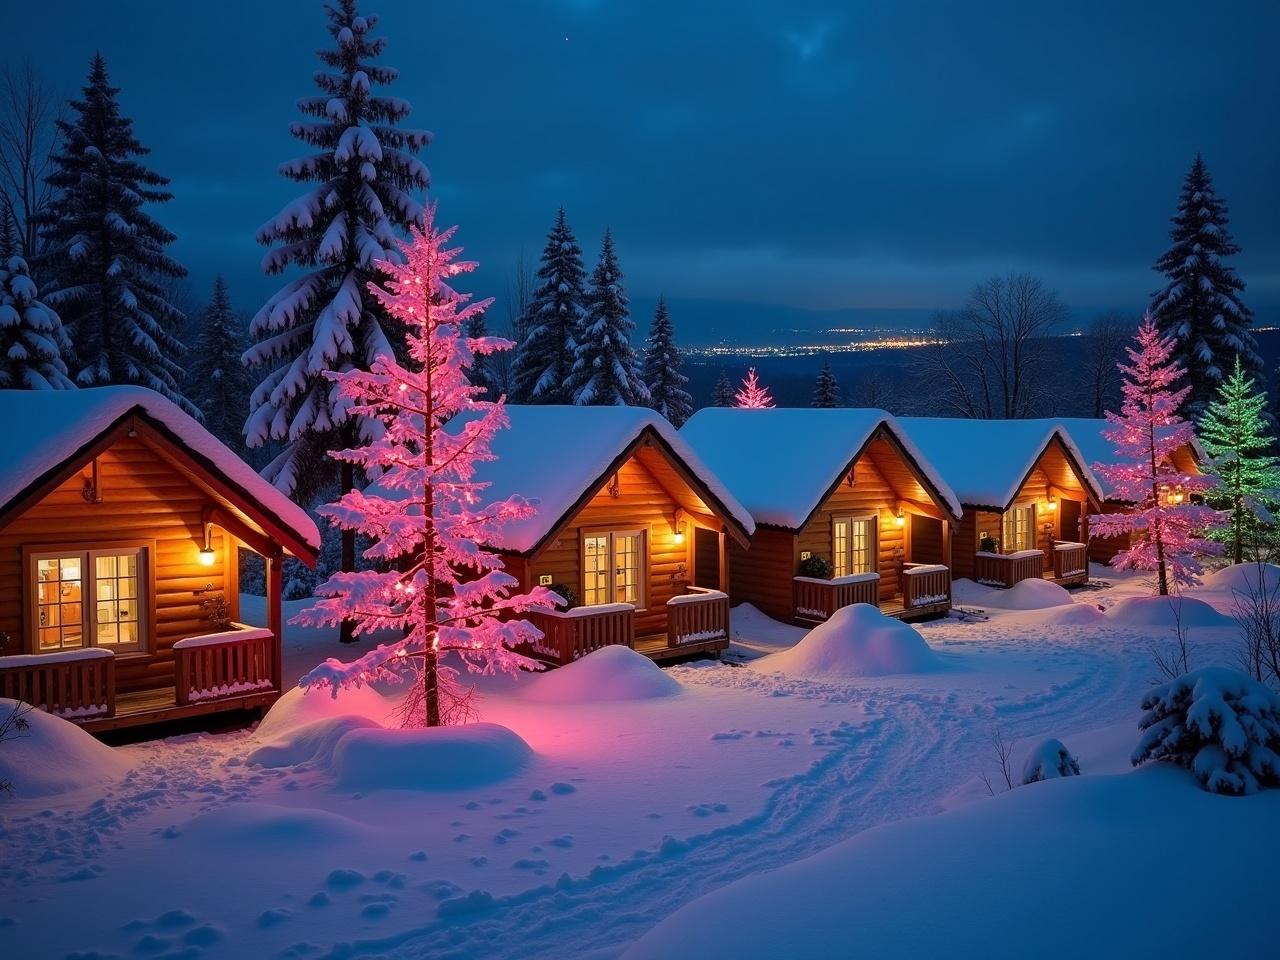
point(544, 580)
point(805, 554)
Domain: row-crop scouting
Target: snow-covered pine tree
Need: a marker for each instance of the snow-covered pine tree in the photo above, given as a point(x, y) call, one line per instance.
point(218, 382)
point(663, 369)
point(723, 394)
point(363, 175)
point(546, 354)
point(32, 341)
point(606, 370)
point(751, 395)
point(1164, 525)
point(10, 239)
point(482, 374)
point(105, 264)
point(1200, 306)
point(826, 392)
point(436, 589)
point(1235, 435)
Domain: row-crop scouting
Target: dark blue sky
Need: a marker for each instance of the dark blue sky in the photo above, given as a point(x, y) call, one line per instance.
point(796, 154)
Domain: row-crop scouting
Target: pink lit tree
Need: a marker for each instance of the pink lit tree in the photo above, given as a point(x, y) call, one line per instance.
point(751, 395)
point(433, 583)
point(1164, 525)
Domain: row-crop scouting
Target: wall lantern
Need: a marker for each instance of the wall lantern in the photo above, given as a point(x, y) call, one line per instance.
point(900, 520)
point(207, 553)
point(1052, 504)
point(679, 535)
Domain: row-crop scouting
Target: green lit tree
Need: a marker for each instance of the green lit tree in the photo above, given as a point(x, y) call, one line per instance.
point(1234, 433)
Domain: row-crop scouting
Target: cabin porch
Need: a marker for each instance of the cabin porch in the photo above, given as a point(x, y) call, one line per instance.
point(1066, 565)
point(926, 591)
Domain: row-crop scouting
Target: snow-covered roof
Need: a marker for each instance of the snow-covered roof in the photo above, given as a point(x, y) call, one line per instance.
point(1087, 434)
point(781, 462)
point(44, 429)
point(986, 461)
point(552, 453)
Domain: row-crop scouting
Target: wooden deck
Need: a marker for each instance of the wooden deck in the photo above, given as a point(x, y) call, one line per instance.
point(161, 705)
point(657, 648)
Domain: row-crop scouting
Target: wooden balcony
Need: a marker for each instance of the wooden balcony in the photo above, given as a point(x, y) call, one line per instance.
point(235, 670)
point(816, 600)
point(926, 590)
point(1070, 562)
point(570, 634)
point(697, 622)
point(1006, 569)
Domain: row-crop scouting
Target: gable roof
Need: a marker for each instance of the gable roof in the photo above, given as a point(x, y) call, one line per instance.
point(47, 430)
point(783, 462)
point(987, 461)
point(560, 455)
point(1087, 434)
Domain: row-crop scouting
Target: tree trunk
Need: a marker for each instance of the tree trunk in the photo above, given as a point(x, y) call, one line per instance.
point(346, 631)
point(431, 685)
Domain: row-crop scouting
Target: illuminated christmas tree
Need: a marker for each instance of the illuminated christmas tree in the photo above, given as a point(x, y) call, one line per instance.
point(751, 395)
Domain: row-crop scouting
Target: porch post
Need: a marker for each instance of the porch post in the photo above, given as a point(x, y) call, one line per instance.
point(275, 616)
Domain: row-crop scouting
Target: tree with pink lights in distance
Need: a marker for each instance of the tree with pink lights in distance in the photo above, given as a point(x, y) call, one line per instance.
point(1165, 526)
point(425, 516)
point(751, 395)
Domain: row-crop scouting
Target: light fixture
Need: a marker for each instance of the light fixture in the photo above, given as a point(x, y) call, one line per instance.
point(1053, 504)
point(207, 553)
point(679, 537)
point(900, 520)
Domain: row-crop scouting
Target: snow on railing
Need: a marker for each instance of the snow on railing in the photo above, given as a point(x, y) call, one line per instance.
point(230, 663)
point(702, 597)
point(73, 684)
point(914, 569)
point(590, 610)
point(59, 656)
point(241, 632)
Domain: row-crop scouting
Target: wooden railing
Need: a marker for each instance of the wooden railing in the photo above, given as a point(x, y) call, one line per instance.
point(925, 585)
point(73, 684)
point(219, 666)
point(1006, 569)
point(570, 634)
point(816, 600)
point(1070, 562)
point(699, 617)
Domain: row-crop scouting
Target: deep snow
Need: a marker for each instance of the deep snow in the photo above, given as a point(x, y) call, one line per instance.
point(624, 811)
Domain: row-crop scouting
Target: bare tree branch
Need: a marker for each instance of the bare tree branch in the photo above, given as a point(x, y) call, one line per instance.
point(29, 114)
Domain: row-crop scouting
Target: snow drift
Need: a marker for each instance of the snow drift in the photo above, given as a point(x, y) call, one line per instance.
point(263, 827)
point(610, 673)
point(435, 758)
point(951, 869)
point(1033, 594)
point(857, 641)
point(1166, 612)
point(311, 743)
point(54, 756)
point(1244, 578)
point(299, 707)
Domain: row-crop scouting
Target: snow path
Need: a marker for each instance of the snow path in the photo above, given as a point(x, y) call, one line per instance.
point(872, 777)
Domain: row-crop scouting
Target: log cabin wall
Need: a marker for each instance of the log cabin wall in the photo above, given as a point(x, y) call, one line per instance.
point(762, 574)
point(142, 498)
point(870, 493)
point(641, 503)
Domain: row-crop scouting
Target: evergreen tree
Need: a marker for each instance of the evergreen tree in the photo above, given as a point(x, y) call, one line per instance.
point(1234, 433)
point(723, 395)
point(105, 261)
point(751, 395)
point(363, 174)
point(1164, 525)
point(10, 239)
point(482, 374)
point(606, 370)
point(1200, 307)
point(826, 392)
point(32, 341)
point(663, 363)
point(219, 383)
point(547, 351)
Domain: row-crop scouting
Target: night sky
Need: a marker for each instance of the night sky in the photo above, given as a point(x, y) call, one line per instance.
point(814, 156)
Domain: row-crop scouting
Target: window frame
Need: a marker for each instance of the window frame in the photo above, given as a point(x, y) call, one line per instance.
point(1012, 515)
point(88, 552)
point(642, 570)
point(846, 556)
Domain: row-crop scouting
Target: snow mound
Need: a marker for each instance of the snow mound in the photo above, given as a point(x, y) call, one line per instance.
point(265, 826)
point(1164, 612)
point(54, 756)
point(1072, 615)
point(1095, 834)
point(435, 758)
point(857, 641)
point(1049, 760)
point(1033, 594)
point(610, 673)
point(1244, 578)
point(310, 743)
point(299, 707)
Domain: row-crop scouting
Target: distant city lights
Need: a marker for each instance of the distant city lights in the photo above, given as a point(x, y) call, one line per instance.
point(859, 340)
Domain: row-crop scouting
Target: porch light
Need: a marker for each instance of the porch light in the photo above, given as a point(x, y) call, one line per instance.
point(679, 537)
point(1052, 504)
point(900, 520)
point(207, 553)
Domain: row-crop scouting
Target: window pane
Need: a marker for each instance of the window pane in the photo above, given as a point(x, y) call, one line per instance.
point(70, 568)
point(116, 586)
point(106, 566)
point(626, 568)
point(595, 570)
point(840, 548)
point(863, 547)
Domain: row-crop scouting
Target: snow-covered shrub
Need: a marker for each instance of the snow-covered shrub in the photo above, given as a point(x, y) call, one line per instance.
point(566, 592)
point(1049, 760)
point(817, 566)
point(1219, 723)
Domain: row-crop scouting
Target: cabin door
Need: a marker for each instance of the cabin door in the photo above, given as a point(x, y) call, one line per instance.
point(706, 558)
point(1069, 520)
point(926, 539)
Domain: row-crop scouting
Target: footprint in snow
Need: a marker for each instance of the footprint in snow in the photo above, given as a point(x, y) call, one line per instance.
point(272, 917)
point(419, 856)
point(342, 878)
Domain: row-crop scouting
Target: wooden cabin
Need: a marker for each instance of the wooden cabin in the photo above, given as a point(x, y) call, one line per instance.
point(121, 520)
point(1189, 458)
point(841, 484)
point(630, 526)
point(1026, 492)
